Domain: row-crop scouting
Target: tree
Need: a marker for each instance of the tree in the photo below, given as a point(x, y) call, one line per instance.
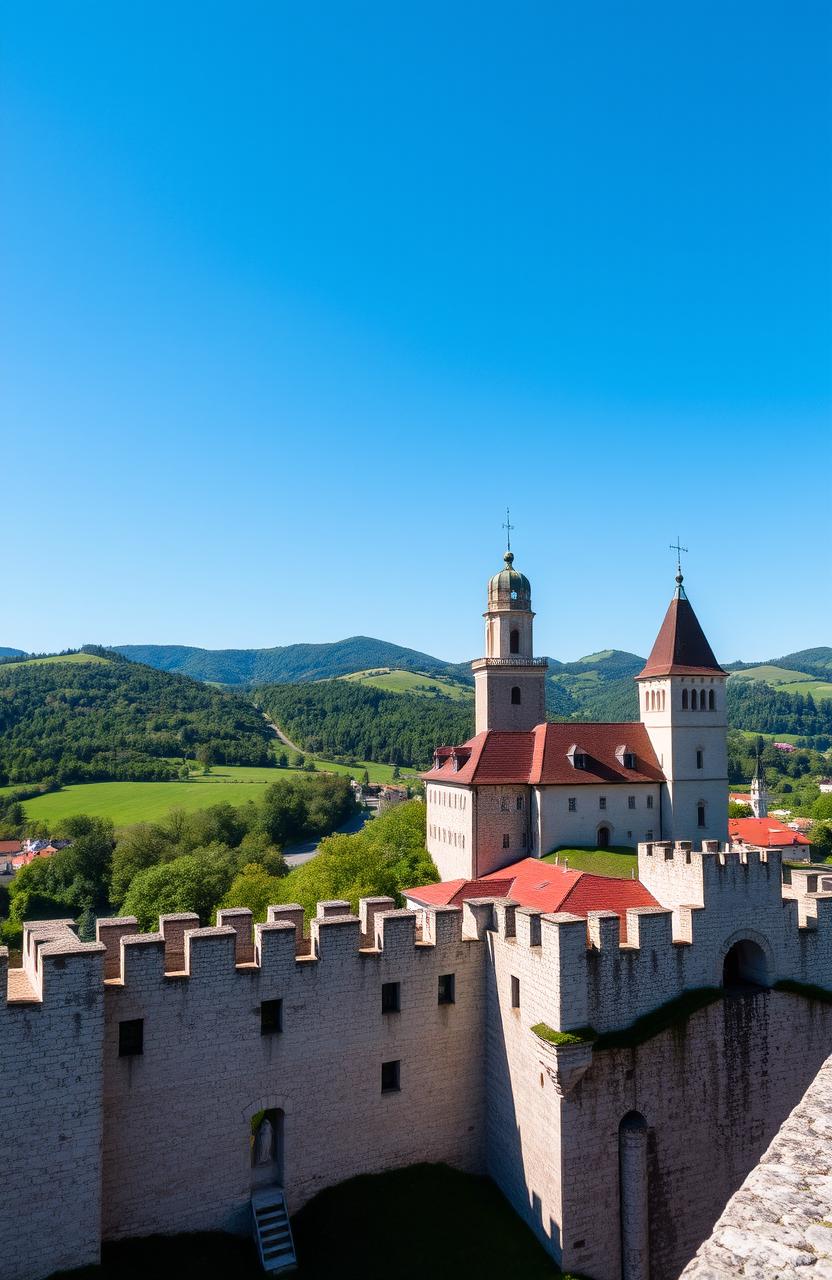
point(736, 810)
point(386, 856)
point(205, 757)
point(254, 888)
point(194, 882)
point(821, 837)
point(822, 808)
point(365, 778)
point(397, 773)
point(300, 760)
point(282, 760)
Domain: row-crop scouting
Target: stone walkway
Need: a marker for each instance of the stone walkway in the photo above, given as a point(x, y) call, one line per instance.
point(778, 1226)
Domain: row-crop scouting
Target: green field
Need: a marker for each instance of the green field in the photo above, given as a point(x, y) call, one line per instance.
point(129, 802)
point(618, 861)
point(410, 682)
point(58, 657)
point(786, 681)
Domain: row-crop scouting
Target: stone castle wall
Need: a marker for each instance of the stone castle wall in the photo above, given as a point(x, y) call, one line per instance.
point(114, 1146)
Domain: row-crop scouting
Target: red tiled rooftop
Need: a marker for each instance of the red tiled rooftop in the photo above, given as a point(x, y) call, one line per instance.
point(681, 647)
point(10, 846)
point(540, 756)
point(542, 886)
point(768, 833)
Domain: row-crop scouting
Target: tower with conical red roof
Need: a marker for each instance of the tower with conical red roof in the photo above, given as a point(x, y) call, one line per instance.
point(509, 682)
point(682, 700)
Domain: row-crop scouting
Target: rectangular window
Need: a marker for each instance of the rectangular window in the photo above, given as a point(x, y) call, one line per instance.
point(131, 1038)
point(650, 835)
point(390, 1076)
point(602, 802)
point(700, 815)
point(699, 759)
point(506, 842)
point(390, 997)
point(649, 802)
point(519, 804)
point(515, 992)
point(447, 988)
point(573, 804)
point(631, 802)
point(271, 1017)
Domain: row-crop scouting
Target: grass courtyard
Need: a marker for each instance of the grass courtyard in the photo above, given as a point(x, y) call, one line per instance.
point(618, 861)
point(425, 1221)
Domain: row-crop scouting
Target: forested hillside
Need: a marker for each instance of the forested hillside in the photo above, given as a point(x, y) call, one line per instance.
point(345, 720)
point(116, 720)
point(757, 707)
point(285, 664)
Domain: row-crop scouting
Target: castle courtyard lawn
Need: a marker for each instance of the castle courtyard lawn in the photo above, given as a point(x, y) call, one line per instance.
point(427, 1221)
point(618, 861)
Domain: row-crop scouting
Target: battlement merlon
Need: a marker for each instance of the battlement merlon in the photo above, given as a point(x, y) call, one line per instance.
point(48, 947)
point(678, 875)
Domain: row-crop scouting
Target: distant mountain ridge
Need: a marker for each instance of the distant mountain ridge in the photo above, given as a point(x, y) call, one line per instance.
point(287, 663)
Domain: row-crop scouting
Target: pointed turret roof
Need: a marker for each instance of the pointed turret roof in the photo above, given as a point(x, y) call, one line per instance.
point(681, 648)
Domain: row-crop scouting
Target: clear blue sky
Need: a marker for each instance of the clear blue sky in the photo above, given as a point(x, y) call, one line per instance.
point(296, 297)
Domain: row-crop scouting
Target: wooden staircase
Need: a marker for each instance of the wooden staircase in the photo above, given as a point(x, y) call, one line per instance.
point(272, 1230)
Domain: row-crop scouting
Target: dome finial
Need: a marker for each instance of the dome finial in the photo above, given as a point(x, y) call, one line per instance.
point(508, 526)
point(678, 548)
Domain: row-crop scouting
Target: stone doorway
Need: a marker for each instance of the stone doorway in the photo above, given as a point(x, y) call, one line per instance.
point(266, 1148)
point(603, 837)
point(745, 967)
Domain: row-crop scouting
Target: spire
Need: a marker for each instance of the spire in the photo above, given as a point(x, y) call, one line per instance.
point(681, 648)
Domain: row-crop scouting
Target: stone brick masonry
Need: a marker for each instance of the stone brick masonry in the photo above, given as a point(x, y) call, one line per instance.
point(644, 1144)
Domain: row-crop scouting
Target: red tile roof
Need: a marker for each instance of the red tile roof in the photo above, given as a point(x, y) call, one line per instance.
point(540, 757)
point(542, 886)
point(10, 846)
point(681, 648)
point(768, 833)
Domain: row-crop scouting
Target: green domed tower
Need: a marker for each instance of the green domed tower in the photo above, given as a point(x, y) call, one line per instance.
point(510, 682)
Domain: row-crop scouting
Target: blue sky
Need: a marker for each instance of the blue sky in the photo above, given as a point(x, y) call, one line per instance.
point(296, 298)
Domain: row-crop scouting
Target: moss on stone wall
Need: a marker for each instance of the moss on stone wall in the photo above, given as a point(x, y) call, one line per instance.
point(667, 1016)
point(582, 1035)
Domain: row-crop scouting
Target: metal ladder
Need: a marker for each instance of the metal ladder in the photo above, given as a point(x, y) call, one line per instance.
point(272, 1230)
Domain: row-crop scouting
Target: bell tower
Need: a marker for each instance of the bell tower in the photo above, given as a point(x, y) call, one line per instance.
point(510, 683)
point(681, 691)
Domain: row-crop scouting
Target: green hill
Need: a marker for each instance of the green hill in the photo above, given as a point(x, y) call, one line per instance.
point(286, 664)
point(412, 682)
point(597, 687)
point(98, 717)
point(788, 680)
point(11, 653)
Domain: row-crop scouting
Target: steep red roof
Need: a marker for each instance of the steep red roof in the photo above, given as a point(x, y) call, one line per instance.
point(768, 833)
point(10, 846)
point(681, 648)
point(541, 756)
point(542, 886)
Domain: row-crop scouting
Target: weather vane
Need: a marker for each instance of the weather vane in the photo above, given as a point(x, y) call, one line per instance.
point(678, 548)
point(508, 526)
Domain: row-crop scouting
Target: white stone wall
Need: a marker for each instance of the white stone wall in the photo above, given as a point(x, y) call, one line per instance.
point(493, 708)
point(177, 1157)
point(677, 735)
point(558, 825)
point(51, 1106)
point(450, 829)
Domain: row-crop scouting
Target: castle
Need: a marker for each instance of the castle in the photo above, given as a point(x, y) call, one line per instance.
point(618, 1081)
point(521, 787)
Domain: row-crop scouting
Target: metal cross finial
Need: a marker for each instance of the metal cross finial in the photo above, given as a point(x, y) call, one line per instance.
point(508, 526)
point(678, 548)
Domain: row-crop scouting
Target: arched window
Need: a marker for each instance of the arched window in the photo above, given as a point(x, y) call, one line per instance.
point(514, 641)
point(515, 696)
point(652, 699)
point(646, 700)
point(693, 700)
point(700, 814)
point(662, 699)
point(684, 699)
point(711, 701)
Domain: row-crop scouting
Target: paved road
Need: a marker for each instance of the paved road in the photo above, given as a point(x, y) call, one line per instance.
point(306, 849)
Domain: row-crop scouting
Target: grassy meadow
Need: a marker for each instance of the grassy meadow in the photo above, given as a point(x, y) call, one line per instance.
point(619, 861)
point(128, 802)
point(410, 682)
point(785, 681)
point(73, 658)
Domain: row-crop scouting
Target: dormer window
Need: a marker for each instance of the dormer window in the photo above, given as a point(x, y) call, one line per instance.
point(625, 757)
point(577, 758)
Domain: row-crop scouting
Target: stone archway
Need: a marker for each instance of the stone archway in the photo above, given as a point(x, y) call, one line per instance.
point(747, 962)
point(604, 837)
point(257, 1142)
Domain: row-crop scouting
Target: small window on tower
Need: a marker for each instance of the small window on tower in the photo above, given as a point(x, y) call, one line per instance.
point(514, 641)
point(700, 759)
point(649, 802)
point(711, 701)
point(506, 842)
point(631, 802)
point(572, 804)
point(602, 802)
point(684, 699)
point(515, 695)
point(700, 815)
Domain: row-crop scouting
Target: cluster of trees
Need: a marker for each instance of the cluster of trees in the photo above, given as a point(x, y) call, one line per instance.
point(790, 776)
point(340, 718)
point(187, 862)
point(386, 856)
point(116, 720)
point(757, 707)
